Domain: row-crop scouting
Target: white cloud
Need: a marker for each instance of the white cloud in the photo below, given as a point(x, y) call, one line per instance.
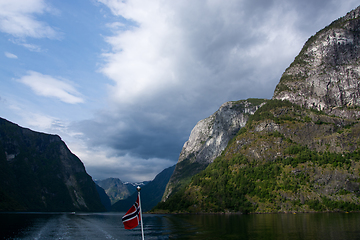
point(29, 46)
point(141, 62)
point(10, 55)
point(188, 50)
point(101, 165)
point(39, 122)
point(34, 120)
point(48, 86)
point(17, 17)
point(175, 62)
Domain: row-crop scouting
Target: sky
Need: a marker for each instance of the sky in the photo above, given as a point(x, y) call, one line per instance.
point(124, 82)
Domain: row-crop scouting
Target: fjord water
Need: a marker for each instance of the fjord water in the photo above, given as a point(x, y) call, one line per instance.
point(109, 226)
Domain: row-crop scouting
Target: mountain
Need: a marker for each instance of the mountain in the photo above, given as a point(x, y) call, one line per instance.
point(298, 152)
point(115, 189)
point(151, 193)
point(39, 173)
point(104, 198)
point(325, 75)
point(133, 185)
point(208, 139)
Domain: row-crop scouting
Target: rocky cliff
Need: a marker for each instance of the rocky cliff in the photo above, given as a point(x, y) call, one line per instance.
point(325, 75)
point(39, 173)
point(300, 151)
point(208, 139)
point(286, 159)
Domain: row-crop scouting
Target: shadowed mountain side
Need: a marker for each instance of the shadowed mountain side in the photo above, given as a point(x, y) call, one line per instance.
point(105, 200)
point(39, 173)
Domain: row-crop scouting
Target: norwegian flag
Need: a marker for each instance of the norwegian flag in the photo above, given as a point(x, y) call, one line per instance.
point(132, 217)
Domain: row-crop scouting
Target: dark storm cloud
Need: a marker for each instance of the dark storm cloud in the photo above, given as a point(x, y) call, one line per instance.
point(138, 137)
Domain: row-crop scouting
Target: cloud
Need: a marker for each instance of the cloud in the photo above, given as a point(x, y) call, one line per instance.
point(47, 86)
point(32, 118)
point(173, 63)
point(182, 60)
point(29, 46)
point(186, 50)
point(10, 55)
point(39, 121)
point(101, 164)
point(137, 134)
point(17, 17)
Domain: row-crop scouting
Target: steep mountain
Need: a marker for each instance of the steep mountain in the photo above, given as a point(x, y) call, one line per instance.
point(151, 193)
point(325, 75)
point(208, 139)
point(39, 173)
point(299, 151)
point(116, 189)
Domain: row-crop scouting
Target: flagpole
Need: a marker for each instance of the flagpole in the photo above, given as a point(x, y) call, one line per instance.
point(141, 217)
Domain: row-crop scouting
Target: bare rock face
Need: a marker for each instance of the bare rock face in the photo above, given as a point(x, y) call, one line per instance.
point(211, 135)
point(326, 74)
point(209, 138)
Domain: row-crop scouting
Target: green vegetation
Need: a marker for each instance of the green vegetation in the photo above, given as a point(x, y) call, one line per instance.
point(252, 101)
point(281, 87)
point(240, 105)
point(231, 185)
point(301, 154)
point(187, 169)
point(326, 204)
point(256, 101)
point(292, 181)
point(287, 158)
point(265, 112)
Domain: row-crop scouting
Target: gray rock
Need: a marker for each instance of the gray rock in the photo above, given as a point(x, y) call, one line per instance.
point(209, 138)
point(326, 74)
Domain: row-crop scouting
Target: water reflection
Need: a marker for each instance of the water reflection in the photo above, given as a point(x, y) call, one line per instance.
point(250, 227)
point(273, 226)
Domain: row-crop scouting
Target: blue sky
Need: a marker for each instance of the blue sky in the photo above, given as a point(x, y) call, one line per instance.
point(124, 82)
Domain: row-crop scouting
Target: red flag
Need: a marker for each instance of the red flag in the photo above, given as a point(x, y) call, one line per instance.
point(132, 217)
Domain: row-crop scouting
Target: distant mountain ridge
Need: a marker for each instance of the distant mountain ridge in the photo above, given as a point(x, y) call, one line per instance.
point(118, 190)
point(115, 189)
point(39, 173)
point(151, 193)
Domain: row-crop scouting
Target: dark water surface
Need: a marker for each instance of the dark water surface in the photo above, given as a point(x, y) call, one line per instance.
point(322, 226)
